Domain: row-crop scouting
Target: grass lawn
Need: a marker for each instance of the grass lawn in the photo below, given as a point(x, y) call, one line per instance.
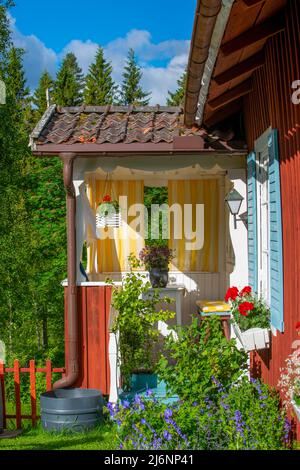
point(102, 438)
point(37, 439)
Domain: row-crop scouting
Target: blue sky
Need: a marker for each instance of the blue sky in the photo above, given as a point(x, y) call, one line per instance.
point(159, 31)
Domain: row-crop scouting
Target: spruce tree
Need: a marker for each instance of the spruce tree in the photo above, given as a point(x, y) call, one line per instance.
point(131, 90)
point(68, 90)
point(5, 39)
point(100, 88)
point(15, 240)
point(39, 98)
point(32, 261)
point(177, 98)
point(15, 77)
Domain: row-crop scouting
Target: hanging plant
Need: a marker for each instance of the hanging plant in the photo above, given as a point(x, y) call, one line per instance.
point(108, 213)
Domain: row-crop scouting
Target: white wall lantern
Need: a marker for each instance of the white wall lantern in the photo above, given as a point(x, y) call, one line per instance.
point(234, 200)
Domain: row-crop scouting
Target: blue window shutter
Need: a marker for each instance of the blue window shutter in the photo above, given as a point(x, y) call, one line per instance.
point(252, 222)
point(276, 264)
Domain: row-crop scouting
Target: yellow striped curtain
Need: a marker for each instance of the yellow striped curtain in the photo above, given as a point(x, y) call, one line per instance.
point(110, 254)
point(194, 192)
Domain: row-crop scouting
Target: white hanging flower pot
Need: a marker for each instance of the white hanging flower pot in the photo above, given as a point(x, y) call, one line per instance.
point(108, 213)
point(252, 339)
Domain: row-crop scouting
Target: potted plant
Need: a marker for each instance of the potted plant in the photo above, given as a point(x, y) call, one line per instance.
point(156, 259)
point(289, 382)
point(108, 213)
point(136, 324)
point(250, 319)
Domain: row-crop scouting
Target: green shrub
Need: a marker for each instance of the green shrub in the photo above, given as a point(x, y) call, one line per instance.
point(136, 323)
point(200, 353)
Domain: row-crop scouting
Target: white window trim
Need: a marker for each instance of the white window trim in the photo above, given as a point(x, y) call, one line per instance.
point(261, 145)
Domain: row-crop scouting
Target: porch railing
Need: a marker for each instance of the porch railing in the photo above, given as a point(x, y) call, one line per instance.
point(32, 370)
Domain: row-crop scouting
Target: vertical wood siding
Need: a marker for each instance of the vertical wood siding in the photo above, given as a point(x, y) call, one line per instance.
point(270, 104)
point(93, 324)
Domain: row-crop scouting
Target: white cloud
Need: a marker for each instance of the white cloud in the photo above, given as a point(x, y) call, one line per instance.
point(37, 57)
point(84, 51)
point(157, 79)
point(162, 79)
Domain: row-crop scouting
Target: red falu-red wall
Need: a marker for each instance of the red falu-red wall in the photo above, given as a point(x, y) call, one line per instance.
point(93, 325)
point(270, 105)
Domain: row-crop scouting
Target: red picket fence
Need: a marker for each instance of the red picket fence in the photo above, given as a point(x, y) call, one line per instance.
point(32, 370)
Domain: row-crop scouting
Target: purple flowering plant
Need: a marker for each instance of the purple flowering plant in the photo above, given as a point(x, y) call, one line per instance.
point(156, 256)
point(245, 416)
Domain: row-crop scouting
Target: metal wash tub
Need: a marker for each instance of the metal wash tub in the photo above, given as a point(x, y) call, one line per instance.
point(75, 410)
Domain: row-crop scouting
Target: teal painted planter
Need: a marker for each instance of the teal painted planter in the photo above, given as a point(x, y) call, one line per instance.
point(141, 382)
point(160, 392)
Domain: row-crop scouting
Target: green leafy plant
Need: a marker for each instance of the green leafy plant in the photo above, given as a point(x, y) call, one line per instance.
point(248, 310)
point(201, 352)
point(136, 322)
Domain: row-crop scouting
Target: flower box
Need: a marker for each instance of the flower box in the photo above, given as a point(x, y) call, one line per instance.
point(250, 319)
point(253, 339)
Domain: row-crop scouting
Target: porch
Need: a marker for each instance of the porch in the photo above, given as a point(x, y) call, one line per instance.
point(120, 151)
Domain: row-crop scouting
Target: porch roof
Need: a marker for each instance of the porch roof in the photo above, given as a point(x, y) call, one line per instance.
point(235, 37)
point(122, 129)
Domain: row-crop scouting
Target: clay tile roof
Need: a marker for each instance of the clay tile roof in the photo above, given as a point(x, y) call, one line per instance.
point(112, 125)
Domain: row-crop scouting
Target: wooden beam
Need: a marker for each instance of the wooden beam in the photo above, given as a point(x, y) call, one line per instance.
point(251, 3)
point(231, 95)
point(223, 113)
point(264, 30)
point(248, 65)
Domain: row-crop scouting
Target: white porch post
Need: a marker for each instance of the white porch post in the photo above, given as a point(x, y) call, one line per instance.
point(239, 236)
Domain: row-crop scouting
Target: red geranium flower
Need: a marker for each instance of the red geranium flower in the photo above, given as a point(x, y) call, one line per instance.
point(246, 290)
point(297, 326)
point(245, 307)
point(231, 293)
point(107, 198)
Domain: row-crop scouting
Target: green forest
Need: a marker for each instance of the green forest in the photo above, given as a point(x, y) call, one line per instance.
point(32, 198)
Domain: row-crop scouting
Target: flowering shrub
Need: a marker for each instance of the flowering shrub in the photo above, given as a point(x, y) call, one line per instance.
point(289, 381)
point(248, 310)
point(246, 416)
point(201, 351)
point(156, 256)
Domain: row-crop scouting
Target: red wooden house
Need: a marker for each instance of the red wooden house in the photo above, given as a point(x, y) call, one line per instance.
point(245, 65)
point(243, 69)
